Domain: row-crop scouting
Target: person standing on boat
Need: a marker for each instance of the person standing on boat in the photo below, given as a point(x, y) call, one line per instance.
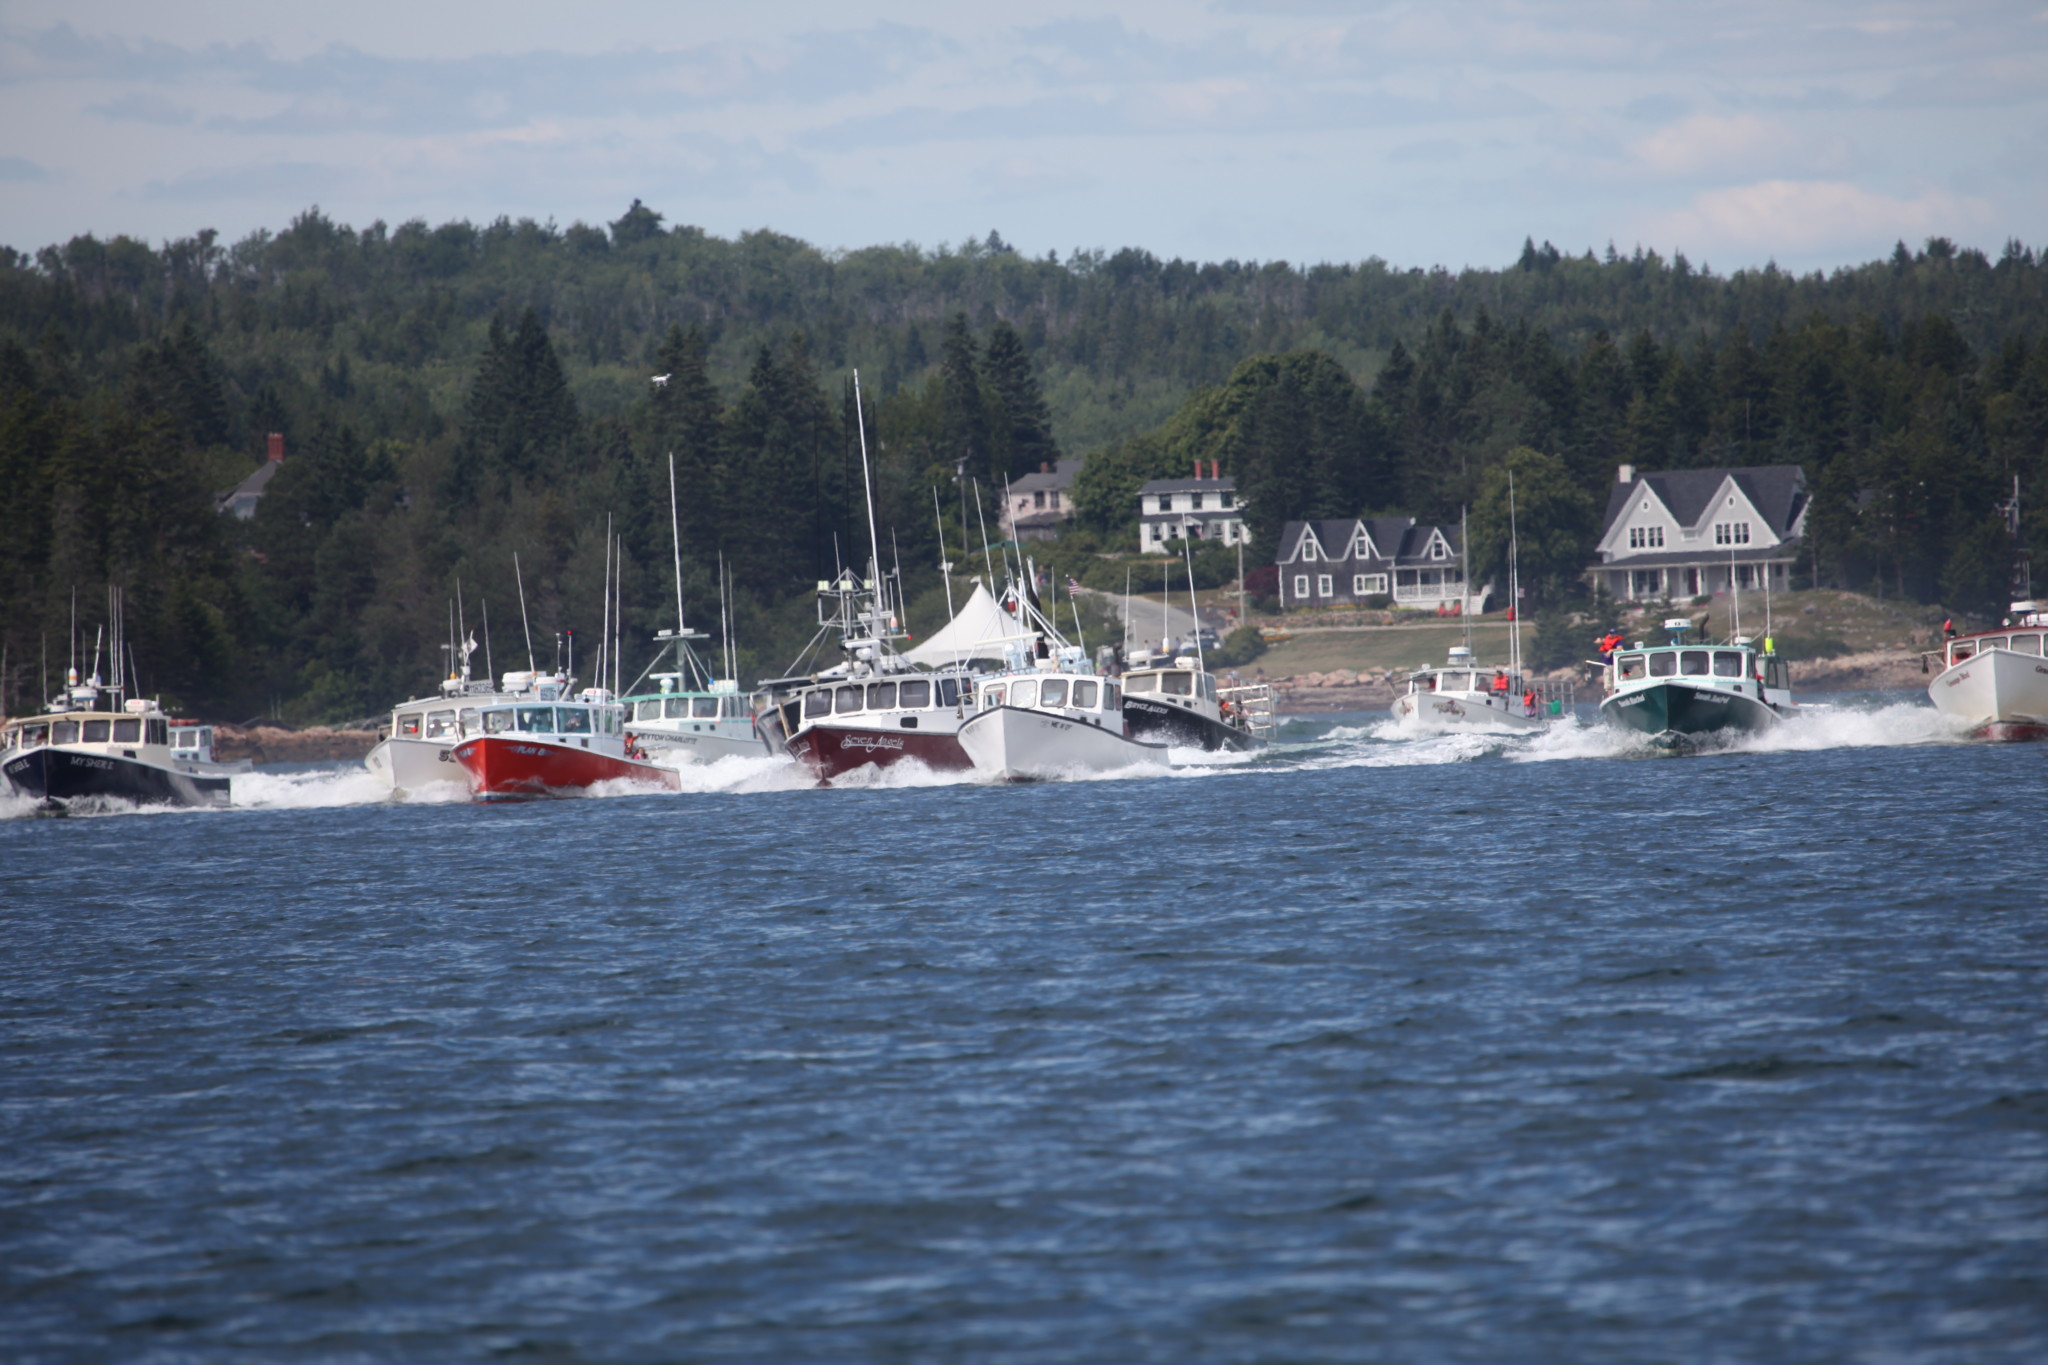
point(1500, 682)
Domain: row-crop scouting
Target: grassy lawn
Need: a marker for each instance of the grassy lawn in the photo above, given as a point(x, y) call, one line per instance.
point(1395, 647)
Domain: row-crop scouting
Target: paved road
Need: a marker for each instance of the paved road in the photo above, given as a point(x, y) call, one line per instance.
point(1148, 618)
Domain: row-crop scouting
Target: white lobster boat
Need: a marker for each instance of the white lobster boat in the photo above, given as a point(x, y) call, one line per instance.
point(419, 748)
point(1997, 680)
point(1463, 696)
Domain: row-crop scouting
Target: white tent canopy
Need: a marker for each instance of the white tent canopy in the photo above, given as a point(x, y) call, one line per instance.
point(979, 628)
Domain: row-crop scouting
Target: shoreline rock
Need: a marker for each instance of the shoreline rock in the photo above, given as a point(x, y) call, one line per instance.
point(276, 744)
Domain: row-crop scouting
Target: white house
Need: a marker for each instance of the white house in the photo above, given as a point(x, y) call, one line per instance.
point(1691, 532)
point(1197, 508)
point(1037, 505)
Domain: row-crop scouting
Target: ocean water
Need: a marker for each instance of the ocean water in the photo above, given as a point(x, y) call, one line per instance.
point(1460, 1049)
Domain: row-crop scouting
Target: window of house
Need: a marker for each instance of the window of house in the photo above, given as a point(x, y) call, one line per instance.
point(1300, 585)
point(1039, 498)
point(1439, 550)
point(1323, 585)
point(1645, 537)
point(1226, 500)
point(1370, 583)
point(1731, 533)
point(1165, 503)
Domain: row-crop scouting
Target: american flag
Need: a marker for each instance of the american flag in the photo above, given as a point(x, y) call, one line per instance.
point(1073, 586)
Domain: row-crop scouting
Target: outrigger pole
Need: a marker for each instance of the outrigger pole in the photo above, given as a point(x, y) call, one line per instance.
point(524, 624)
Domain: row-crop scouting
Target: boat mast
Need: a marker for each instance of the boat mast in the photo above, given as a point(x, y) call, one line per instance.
point(945, 565)
point(604, 629)
point(1188, 552)
point(867, 480)
point(1514, 585)
point(1465, 575)
point(524, 624)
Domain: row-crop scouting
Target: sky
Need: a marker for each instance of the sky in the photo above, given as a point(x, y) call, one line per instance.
point(1813, 133)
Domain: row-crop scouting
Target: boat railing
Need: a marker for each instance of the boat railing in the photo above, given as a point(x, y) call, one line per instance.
point(1253, 703)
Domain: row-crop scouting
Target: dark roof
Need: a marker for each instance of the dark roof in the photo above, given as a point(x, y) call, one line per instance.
point(1064, 472)
point(1400, 540)
point(1778, 490)
point(251, 487)
point(1226, 484)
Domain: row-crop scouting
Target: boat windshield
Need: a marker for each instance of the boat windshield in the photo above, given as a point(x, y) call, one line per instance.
point(1693, 661)
point(704, 708)
point(1177, 684)
point(1664, 663)
point(440, 724)
point(1024, 692)
point(1142, 682)
point(1084, 694)
point(1630, 667)
point(848, 699)
point(498, 720)
point(2026, 644)
point(949, 691)
point(916, 695)
point(64, 732)
point(1053, 692)
point(1727, 663)
point(882, 696)
point(818, 703)
point(128, 732)
point(573, 720)
point(537, 720)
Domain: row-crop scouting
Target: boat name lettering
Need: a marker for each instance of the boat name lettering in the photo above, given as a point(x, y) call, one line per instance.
point(1960, 677)
point(1147, 707)
point(870, 742)
point(87, 761)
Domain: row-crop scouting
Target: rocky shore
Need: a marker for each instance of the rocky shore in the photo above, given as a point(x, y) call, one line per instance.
point(276, 744)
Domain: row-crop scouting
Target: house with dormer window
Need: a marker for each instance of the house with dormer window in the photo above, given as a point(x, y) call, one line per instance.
point(1346, 561)
point(1696, 532)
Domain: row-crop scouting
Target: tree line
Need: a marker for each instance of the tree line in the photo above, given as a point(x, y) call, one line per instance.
point(453, 396)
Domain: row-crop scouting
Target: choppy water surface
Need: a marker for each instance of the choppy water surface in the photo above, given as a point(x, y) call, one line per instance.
point(1458, 1049)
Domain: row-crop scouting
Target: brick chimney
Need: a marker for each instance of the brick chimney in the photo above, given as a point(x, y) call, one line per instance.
point(1198, 469)
point(277, 447)
point(1215, 469)
point(1045, 466)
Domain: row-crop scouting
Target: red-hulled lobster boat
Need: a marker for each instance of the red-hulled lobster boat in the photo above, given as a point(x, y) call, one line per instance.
point(561, 749)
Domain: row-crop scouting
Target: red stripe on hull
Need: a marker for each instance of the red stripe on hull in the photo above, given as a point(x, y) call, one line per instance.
point(831, 751)
point(506, 766)
point(2010, 731)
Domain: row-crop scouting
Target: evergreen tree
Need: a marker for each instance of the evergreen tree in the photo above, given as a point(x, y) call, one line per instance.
point(1023, 425)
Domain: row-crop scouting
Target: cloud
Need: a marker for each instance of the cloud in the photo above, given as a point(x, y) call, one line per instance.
point(19, 170)
point(145, 108)
point(1705, 143)
point(1802, 216)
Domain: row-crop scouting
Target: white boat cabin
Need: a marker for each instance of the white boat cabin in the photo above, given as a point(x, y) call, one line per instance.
point(692, 710)
point(2024, 636)
point(566, 720)
point(945, 692)
point(1735, 666)
point(1087, 699)
point(110, 729)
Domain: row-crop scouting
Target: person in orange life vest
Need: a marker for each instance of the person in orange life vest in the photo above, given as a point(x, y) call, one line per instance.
point(1529, 702)
point(1500, 681)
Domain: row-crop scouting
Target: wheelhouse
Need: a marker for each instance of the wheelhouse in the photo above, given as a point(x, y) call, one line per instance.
point(86, 727)
point(1716, 665)
point(1056, 692)
point(567, 720)
point(1172, 682)
point(944, 692)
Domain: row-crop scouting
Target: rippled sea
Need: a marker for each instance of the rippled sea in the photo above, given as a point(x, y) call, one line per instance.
point(1445, 1050)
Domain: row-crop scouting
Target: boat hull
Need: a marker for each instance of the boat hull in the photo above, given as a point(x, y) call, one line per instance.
point(409, 765)
point(700, 746)
point(1156, 722)
point(834, 750)
point(508, 767)
point(1013, 744)
point(2002, 694)
point(63, 775)
point(1678, 713)
point(1441, 712)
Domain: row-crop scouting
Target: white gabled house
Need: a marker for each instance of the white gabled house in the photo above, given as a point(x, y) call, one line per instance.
point(1693, 532)
point(1190, 509)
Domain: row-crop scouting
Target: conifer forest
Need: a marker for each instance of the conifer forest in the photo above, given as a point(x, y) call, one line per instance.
point(453, 396)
